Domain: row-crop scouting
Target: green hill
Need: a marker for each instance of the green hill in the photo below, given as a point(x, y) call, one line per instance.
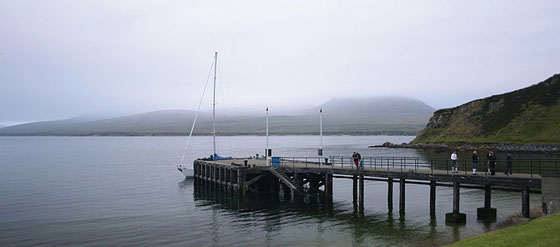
point(528, 115)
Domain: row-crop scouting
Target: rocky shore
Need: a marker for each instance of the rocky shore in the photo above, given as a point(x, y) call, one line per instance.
point(500, 147)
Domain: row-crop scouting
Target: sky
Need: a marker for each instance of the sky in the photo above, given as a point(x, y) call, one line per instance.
point(60, 59)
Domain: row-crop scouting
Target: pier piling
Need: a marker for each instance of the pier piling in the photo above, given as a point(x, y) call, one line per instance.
point(432, 197)
point(295, 176)
point(361, 192)
point(402, 196)
point(487, 212)
point(354, 188)
point(525, 209)
point(456, 216)
point(390, 194)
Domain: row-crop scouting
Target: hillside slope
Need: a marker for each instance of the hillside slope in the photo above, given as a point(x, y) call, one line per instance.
point(342, 116)
point(528, 115)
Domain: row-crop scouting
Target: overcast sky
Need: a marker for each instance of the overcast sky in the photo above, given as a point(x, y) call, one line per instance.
point(60, 59)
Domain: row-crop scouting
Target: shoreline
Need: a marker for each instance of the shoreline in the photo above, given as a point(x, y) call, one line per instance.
point(517, 218)
point(500, 147)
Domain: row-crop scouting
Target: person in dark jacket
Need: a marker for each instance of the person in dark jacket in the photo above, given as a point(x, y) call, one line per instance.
point(509, 163)
point(474, 162)
point(492, 163)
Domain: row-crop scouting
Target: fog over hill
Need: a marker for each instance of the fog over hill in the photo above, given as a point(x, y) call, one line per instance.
point(379, 115)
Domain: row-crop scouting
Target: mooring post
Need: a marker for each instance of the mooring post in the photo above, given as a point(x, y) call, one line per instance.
point(432, 197)
point(402, 196)
point(525, 210)
point(361, 192)
point(487, 212)
point(354, 188)
point(456, 216)
point(390, 194)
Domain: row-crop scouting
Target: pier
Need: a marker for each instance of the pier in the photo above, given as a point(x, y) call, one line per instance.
point(314, 175)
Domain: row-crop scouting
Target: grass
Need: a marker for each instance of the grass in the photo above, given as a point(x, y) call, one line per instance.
point(540, 232)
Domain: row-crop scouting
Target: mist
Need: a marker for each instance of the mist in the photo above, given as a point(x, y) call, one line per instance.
point(61, 59)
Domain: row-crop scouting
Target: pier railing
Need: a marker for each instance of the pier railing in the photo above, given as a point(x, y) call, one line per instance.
point(426, 165)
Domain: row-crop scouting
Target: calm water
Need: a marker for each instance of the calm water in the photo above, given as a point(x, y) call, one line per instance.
point(125, 191)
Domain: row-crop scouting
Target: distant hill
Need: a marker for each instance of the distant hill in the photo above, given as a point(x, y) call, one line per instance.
point(528, 115)
point(399, 116)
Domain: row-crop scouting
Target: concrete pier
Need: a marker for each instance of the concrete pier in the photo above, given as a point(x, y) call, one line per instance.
point(456, 216)
point(487, 212)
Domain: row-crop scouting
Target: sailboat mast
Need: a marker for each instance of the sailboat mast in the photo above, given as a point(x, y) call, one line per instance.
point(214, 106)
point(321, 127)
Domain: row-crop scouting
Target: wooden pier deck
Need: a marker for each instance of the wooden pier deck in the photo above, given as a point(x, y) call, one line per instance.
point(313, 175)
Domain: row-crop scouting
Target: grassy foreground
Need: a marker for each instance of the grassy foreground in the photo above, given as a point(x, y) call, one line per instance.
point(543, 231)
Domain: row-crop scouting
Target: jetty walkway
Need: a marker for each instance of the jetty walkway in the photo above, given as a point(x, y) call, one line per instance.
point(314, 175)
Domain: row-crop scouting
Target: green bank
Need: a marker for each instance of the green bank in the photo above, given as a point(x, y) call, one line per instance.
point(526, 116)
point(539, 232)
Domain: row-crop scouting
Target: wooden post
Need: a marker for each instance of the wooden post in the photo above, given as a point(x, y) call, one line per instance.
point(239, 182)
point(402, 196)
point(212, 172)
point(233, 178)
point(361, 192)
point(221, 178)
point(195, 170)
point(243, 179)
point(432, 197)
point(354, 188)
point(390, 194)
point(525, 209)
point(330, 184)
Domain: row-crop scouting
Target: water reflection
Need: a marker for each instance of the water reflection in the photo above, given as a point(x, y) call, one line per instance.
point(279, 214)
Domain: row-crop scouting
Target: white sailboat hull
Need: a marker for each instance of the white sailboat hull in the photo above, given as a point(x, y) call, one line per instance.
point(187, 172)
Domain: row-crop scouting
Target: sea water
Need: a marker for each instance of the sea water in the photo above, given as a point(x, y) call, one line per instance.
point(126, 191)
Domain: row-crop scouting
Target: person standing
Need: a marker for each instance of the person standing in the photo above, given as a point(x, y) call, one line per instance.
point(492, 163)
point(356, 157)
point(454, 168)
point(509, 163)
point(474, 162)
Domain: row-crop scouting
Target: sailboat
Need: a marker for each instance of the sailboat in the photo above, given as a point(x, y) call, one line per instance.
point(187, 171)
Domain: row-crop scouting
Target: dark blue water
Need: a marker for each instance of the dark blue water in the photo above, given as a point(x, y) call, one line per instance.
point(126, 191)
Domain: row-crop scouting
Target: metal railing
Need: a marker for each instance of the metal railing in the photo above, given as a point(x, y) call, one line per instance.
point(426, 165)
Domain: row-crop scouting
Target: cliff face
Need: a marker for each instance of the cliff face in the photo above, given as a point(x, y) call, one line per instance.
point(528, 115)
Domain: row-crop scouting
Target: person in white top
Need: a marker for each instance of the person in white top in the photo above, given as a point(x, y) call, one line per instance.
point(455, 166)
